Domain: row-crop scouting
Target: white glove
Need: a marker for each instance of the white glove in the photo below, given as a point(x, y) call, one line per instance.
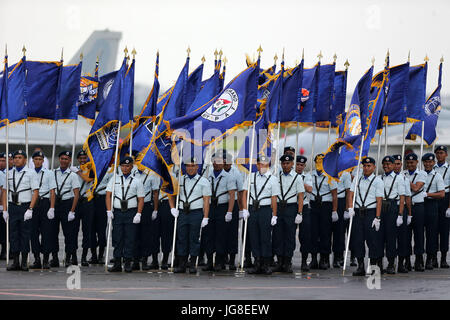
point(1, 207)
point(154, 215)
point(351, 212)
point(205, 222)
point(245, 214)
point(228, 216)
point(447, 213)
point(51, 213)
point(241, 214)
point(334, 216)
point(74, 169)
point(174, 212)
point(346, 215)
point(298, 218)
point(274, 220)
point(408, 222)
point(399, 221)
point(71, 216)
point(424, 194)
point(376, 224)
point(110, 215)
point(137, 218)
point(28, 215)
point(5, 215)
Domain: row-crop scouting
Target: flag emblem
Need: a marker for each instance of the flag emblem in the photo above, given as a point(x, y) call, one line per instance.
point(107, 88)
point(223, 108)
point(107, 137)
point(433, 106)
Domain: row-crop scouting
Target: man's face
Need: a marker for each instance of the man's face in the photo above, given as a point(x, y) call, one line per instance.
point(441, 155)
point(428, 165)
point(218, 165)
point(10, 162)
point(263, 167)
point(82, 160)
point(398, 166)
point(64, 162)
point(227, 166)
point(411, 165)
point(388, 166)
point(126, 168)
point(38, 161)
point(368, 169)
point(20, 160)
point(299, 167)
point(2, 163)
point(287, 166)
point(191, 169)
point(288, 152)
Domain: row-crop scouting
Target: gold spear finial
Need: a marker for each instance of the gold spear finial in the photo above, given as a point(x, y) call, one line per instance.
point(426, 58)
point(203, 59)
point(373, 61)
point(275, 58)
point(442, 59)
point(320, 56)
point(6, 49)
point(346, 64)
point(24, 50)
point(334, 58)
point(225, 60)
point(220, 54)
point(387, 57)
point(126, 51)
point(188, 51)
point(282, 56)
point(303, 53)
point(62, 54)
point(409, 56)
point(81, 56)
point(215, 54)
point(259, 51)
point(134, 53)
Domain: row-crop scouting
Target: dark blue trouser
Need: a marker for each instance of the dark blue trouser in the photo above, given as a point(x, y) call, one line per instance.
point(98, 231)
point(208, 241)
point(143, 241)
point(321, 227)
point(124, 233)
point(220, 229)
point(261, 231)
point(69, 227)
point(363, 233)
point(167, 221)
point(338, 229)
point(40, 226)
point(3, 232)
point(283, 236)
point(155, 226)
point(188, 233)
point(85, 215)
point(19, 230)
point(304, 231)
point(418, 225)
point(232, 231)
point(402, 237)
point(388, 230)
point(443, 224)
point(431, 226)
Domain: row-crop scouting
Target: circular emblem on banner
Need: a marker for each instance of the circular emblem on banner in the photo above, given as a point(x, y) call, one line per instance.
point(107, 88)
point(223, 108)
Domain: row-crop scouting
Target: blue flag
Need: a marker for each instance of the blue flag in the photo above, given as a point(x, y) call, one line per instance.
point(397, 97)
point(149, 109)
point(321, 114)
point(308, 96)
point(87, 101)
point(104, 86)
point(339, 95)
point(175, 104)
point(293, 80)
point(417, 92)
point(432, 110)
point(128, 95)
point(192, 88)
point(69, 93)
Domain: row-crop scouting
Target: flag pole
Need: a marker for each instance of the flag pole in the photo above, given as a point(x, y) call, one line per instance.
point(176, 207)
point(285, 137)
point(277, 153)
point(56, 124)
point(7, 191)
point(131, 137)
point(421, 143)
point(248, 195)
point(353, 205)
point(75, 126)
point(329, 134)
point(312, 146)
point(385, 139)
point(26, 139)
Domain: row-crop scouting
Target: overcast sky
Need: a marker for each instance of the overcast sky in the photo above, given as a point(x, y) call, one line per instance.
point(356, 30)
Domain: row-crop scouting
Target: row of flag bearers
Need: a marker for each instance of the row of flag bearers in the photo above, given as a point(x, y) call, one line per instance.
point(396, 214)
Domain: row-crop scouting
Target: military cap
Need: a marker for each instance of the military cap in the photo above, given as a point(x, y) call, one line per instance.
point(388, 159)
point(428, 156)
point(65, 153)
point(368, 160)
point(2, 155)
point(81, 153)
point(397, 157)
point(292, 149)
point(444, 148)
point(20, 152)
point(286, 157)
point(38, 154)
point(320, 155)
point(264, 159)
point(126, 160)
point(10, 155)
point(412, 156)
point(302, 159)
point(190, 160)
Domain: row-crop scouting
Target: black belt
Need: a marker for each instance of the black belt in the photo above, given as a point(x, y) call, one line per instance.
point(19, 204)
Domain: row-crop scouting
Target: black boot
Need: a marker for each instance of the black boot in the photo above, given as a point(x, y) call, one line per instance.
point(54, 263)
point(117, 267)
point(401, 267)
point(94, 259)
point(248, 260)
point(287, 266)
point(408, 264)
point(209, 265)
point(352, 261)
point(336, 260)
point(220, 263)
point(181, 268)
point(24, 265)
point(74, 259)
point(418, 264)
point(164, 265)
point(37, 262)
point(67, 260)
point(127, 265)
point(266, 267)
point(435, 262)
point(154, 265)
point(136, 266)
point(391, 266)
point(15, 265)
point(3, 252)
point(45, 264)
point(101, 251)
point(444, 264)
point(231, 262)
point(145, 265)
point(304, 267)
point(192, 268)
point(313, 264)
point(429, 263)
point(323, 265)
point(256, 268)
point(361, 271)
point(84, 262)
point(279, 265)
point(380, 265)
point(201, 259)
